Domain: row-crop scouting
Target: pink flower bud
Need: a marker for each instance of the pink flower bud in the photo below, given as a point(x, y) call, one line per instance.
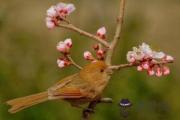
point(88, 55)
point(96, 47)
point(61, 46)
point(169, 58)
point(68, 42)
point(101, 32)
point(132, 60)
point(100, 54)
point(64, 47)
point(151, 72)
point(50, 24)
point(159, 72)
point(131, 57)
point(166, 70)
point(139, 68)
point(61, 63)
point(145, 65)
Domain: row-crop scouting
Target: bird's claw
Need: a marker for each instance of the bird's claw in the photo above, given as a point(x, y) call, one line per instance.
point(88, 110)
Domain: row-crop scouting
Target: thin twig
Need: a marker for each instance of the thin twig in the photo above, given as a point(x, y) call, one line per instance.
point(82, 32)
point(118, 67)
point(117, 36)
point(73, 62)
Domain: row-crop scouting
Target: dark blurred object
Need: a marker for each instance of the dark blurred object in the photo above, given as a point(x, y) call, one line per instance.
point(125, 106)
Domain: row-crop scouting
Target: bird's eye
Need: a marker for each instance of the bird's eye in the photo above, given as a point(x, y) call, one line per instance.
point(102, 70)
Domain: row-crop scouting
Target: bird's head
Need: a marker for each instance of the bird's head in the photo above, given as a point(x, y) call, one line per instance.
point(95, 69)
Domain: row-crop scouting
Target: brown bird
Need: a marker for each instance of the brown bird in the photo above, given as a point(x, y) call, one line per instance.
point(79, 88)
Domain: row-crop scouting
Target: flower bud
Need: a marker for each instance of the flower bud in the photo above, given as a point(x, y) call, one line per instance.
point(139, 68)
point(50, 24)
point(158, 72)
point(68, 42)
point(166, 70)
point(96, 47)
point(101, 32)
point(64, 46)
point(63, 62)
point(145, 65)
point(151, 72)
point(130, 57)
point(88, 55)
point(169, 58)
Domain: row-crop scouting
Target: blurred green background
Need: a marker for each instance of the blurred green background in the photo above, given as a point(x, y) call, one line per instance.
point(28, 57)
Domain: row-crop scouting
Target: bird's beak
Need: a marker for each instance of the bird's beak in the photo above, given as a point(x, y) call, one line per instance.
point(109, 71)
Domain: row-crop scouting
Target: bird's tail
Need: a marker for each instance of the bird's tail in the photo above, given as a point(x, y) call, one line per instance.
point(19, 104)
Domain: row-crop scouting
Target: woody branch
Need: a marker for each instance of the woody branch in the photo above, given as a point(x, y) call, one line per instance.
point(118, 67)
point(112, 46)
point(71, 27)
point(117, 35)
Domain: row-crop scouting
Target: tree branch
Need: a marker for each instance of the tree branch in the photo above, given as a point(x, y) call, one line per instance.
point(71, 27)
point(117, 36)
point(118, 67)
point(73, 62)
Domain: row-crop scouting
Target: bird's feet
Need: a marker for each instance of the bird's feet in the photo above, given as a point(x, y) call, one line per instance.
point(88, 110)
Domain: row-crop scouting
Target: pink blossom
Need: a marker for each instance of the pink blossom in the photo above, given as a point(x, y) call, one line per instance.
point(159, 72)
point(100, 54)
point(139, 68)
point(101, 32)
point(88, 55)
point(50, 24)
point(166, 70)
point(64, 9)
point(68, 42)
point(146, 50)
point(63, 62)
point(158, 55)
point(151, 72)
point(56, 12)
point(131, 57)
point(51, 12)
point(64, 46)
point(169, 58)
point(145, 65)
point(147, 59)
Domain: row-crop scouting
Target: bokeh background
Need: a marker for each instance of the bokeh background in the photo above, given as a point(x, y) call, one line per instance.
point(28, 57)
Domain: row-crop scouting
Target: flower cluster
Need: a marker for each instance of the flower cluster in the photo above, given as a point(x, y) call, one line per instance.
point(100, 54)
point(147, 59)
point(57, 13)
point(64, 48)
point(99, 50)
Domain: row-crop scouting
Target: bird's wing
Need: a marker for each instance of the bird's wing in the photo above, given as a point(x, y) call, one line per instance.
point(68, 93)
point(62, 83)
point(69, 87)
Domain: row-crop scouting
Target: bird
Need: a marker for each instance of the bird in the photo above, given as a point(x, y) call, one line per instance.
point(82, 87)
